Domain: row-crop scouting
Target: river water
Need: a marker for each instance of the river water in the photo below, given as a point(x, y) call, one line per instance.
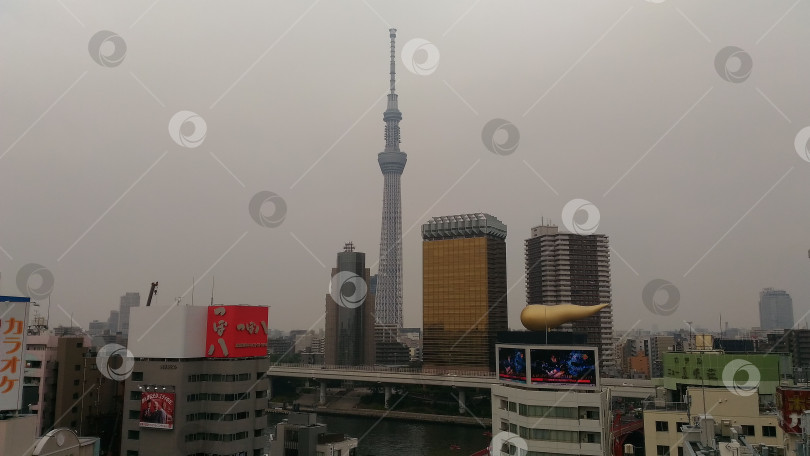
point(402, 438)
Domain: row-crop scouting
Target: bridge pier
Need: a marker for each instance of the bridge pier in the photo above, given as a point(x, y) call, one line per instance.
point(322, 398)
point(387, 396)
point(462, 404)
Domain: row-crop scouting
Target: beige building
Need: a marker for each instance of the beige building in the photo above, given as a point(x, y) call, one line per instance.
point(17, 434)
point(559, 422)
point(663, 420)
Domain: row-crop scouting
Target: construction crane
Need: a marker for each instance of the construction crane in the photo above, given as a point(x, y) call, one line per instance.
point(152, 292)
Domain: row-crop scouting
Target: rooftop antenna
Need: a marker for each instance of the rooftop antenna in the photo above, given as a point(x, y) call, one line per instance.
point(212, 290)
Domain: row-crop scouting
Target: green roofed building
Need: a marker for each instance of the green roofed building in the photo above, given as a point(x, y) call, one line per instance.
point(712, 369)
point(735, 390)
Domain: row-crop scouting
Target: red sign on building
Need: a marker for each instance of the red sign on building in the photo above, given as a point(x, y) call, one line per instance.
point(236, 332)
point(157, 410)
point(791, 403)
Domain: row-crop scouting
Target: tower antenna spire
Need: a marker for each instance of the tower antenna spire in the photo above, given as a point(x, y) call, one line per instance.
point(392, 116)
point(393, 34)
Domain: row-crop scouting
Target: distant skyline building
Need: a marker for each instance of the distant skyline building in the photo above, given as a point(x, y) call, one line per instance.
point(392, 163)
point(464, 290)
point(775, 309)
point(128, 301)
point(112, 321)
point(97, 328)
point(350, 322)
point(567, 268)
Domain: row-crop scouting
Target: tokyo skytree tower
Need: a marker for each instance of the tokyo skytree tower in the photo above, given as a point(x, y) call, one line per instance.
point(388, 298)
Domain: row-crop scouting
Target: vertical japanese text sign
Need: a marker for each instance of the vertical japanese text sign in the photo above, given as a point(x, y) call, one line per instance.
point(13, 318)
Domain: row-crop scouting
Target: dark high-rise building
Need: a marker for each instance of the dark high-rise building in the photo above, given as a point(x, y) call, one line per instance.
point(775, 309)
point(464, 290)
point(392, 162)
point(350, 312)
point(128, 301)
point(567, 268)
point(112, 322)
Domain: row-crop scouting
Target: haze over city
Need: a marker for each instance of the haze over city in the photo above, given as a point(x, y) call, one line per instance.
point(696, 178)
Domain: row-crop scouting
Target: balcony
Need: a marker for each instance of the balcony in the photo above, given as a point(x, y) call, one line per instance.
point(662, 406)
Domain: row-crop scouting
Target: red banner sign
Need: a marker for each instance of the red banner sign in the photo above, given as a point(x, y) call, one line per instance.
point(157, 410)
point(236, 332)
point(791, 403)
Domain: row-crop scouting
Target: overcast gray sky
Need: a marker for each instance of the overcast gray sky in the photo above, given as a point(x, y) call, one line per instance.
point(696, 177)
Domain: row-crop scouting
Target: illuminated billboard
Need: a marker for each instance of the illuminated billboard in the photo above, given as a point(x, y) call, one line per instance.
point(13, 322)
point(236, 332)
point(563, 366)
point(157, 410)
point(791, 404)
point(512, 364)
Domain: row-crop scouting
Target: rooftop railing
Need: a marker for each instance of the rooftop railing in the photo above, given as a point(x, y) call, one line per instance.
point(385, 369)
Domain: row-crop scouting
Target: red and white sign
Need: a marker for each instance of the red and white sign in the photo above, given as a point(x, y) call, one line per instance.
point(236, 332)
point(791, 403)
point(157, 410)
point(13, 318)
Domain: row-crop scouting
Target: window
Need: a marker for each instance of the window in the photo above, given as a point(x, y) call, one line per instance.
point(769, 431)
point(78, 345)
point(747, 430)
point(588, 413)
point(551, 435)
point(75, 395)
point(133, 435)
point(77, 367)
point(137, 376)
point(513, 407)
point(662, 426)
point(134, 414)
point(260, 394)
point(76, 382)
point(662, 450)
point(545, 411)
point(74, 410)
point(258, 432)
point(132, 453)
point(134, 395)
point(504, 404)
point(590, 437)
point(679, 425)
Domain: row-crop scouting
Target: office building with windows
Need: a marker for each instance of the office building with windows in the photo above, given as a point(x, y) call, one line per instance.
point(567, 268)
point(195, 382)
point(350, 312)
point(464, 290)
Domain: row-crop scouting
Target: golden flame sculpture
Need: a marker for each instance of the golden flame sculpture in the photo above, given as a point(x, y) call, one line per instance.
point(539, 317)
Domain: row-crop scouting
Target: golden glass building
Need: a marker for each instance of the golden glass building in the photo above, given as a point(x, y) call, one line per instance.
point(464, 291)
